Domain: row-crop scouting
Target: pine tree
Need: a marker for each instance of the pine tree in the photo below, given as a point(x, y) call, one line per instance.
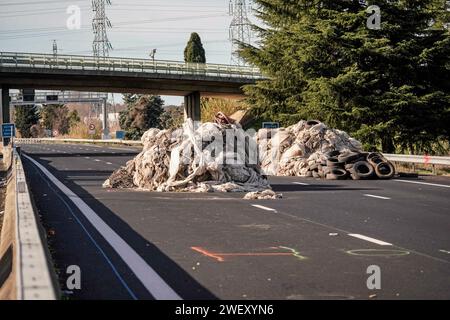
point(194, 51)
point(389, 87)
point(143, 114)
point(25, 117)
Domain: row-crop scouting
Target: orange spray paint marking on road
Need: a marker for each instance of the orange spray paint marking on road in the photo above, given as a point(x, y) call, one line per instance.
point(208, 254)
point(220, 256)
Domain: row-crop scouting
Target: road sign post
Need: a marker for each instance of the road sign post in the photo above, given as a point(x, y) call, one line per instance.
point(8, 132)
point(91, 129)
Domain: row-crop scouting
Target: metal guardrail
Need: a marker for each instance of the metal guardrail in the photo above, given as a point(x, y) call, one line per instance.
point(74, 62)
point(33, 276)
point(444, 161)
point(93, 141)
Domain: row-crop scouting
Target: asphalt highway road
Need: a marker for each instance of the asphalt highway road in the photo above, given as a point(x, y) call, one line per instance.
point(315, 243)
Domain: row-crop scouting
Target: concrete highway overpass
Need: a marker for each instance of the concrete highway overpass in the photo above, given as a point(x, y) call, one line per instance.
point(123, 75)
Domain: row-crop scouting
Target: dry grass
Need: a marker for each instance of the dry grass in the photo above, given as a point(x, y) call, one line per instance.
point(81, 131)
point(211, 106)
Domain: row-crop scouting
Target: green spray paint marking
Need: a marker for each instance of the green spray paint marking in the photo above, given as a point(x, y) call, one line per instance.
point(295, 253)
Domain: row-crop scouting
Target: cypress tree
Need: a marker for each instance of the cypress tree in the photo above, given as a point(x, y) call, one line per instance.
point(388, 87)
point(194, 51)
point(25, 117)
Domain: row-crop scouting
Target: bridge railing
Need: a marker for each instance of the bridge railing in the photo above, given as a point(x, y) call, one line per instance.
point(58, 96)
point(73, 62)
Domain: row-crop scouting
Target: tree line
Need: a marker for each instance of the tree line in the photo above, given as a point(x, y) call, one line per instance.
point(388, 87)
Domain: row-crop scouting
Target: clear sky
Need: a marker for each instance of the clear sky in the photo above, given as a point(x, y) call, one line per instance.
point(137, 27)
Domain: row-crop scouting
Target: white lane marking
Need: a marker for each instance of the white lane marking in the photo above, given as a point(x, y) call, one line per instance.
point(87, 157)
point(376, 197)
point(263, 208)
point(96, 160)
point(424, 183)
point(108, 163)
point(360, 236)
point(444, 251)
point(146, 274)
point(301, 183)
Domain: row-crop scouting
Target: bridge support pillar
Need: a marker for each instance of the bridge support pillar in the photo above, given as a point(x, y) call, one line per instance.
point(105, 134)
point(192, 106)
point(4, 108)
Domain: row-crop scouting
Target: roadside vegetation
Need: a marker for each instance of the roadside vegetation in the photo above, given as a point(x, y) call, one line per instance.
point(388, 87)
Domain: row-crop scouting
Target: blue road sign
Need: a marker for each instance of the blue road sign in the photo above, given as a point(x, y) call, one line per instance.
point(120, 135)
point(271, 125)
point(8, 130)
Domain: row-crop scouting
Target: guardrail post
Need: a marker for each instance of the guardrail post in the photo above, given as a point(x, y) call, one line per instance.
point(4, 108)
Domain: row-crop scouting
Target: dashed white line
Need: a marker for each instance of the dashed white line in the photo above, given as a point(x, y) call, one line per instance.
point(379, 242)
point(108, 163)
point(301, 183)
point(87, 157)
point(444, 251)
point(96, 160)
point(424, 183)
point(263, 208)
point(376, 197)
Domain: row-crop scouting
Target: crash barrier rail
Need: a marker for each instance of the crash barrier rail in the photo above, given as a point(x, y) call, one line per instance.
point(75, 62)
point(31, 268)
point(93, 141)
point(424, 159)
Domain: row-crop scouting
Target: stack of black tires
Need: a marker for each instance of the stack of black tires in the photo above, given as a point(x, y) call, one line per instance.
point(353, 165)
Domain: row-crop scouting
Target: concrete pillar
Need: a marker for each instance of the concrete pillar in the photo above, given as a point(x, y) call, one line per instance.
point(4, 109)
point(192, 106)
point(105, 135)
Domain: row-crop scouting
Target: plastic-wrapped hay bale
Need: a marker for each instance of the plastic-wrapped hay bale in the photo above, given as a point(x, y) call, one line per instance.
point(300, 149)
point(196, 160)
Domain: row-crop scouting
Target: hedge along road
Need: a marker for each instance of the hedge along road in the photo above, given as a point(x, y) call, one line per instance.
point(317, 242)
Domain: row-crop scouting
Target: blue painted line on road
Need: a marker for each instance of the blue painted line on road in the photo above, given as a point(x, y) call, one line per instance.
point(151, 280)
point(100, 250)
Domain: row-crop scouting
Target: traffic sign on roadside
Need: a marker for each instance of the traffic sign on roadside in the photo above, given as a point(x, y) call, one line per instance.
point(8, 130)
point(271, 125)
point(92, 129)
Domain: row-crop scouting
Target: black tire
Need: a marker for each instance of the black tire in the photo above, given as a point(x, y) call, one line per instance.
point(334, 163)
point(363, 170)
point(374, 161)
point(374, 155)
point(337, 174)
point(385, 170)
point(349, 157)
point(332, 154)
point(312, 123)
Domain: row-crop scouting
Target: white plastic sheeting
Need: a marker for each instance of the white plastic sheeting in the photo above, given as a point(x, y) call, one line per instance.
point(203, 159)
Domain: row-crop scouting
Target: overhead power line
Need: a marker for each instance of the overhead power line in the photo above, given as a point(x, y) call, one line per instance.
point(100, 22)
point(240, 31)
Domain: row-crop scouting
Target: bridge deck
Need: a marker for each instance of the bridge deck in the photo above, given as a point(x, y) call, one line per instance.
point(83, 73)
